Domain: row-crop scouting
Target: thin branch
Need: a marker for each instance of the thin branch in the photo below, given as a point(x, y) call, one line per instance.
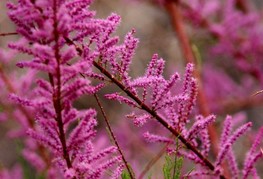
point(173, 8)
point(149, 110)
point(235, 105)
point(153, 161)
point(179, 27)
point(156, 116)
point(8, 34)
point(257, 93)
point(238, 104)
point(113, 136)
point(57, 90)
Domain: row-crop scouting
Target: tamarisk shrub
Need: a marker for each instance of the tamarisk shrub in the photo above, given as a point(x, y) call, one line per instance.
point(66, 43)
point(44, 28)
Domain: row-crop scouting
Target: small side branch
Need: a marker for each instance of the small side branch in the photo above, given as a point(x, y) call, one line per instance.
point(173, 8)
point(151, 112)
point(157, 117)
point(8, 34)
point(153, 161)
point(113, 136)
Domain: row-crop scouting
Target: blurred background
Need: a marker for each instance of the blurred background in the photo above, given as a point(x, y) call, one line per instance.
point(156, 34)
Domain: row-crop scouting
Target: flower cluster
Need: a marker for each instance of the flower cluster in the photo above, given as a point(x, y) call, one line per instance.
point(176, 108)
point(45, 30)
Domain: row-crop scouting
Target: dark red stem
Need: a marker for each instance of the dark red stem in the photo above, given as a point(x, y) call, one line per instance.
point(153, 161)
point(156, 116)
point(149, 110)
point(57, 90)
point(113, 136)
point(8, 34)
point(179, 27)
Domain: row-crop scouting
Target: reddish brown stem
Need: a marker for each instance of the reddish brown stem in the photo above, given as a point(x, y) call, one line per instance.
point(153, 161)
point(176, 18)
point(205, 23)
point(149, 110)
point(178, 25)
point(57, 90)
point(156, 116)
point(113, 136)
point(8, 34)
point(234, 105)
